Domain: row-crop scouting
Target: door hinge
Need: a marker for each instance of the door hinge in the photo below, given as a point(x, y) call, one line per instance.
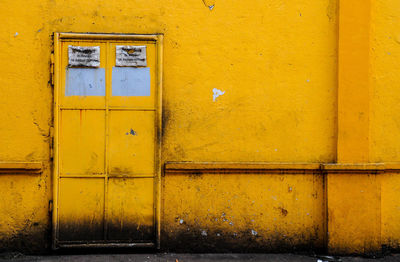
point(52, 69)
point(51, 142)
point(50, 206)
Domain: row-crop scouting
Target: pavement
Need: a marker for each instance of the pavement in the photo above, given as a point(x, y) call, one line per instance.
point(173, 257)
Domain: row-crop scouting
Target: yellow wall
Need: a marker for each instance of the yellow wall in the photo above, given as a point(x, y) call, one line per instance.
point(390, 210)
point(243, 211)
point(276, 62)
point(385, 55)
point(385, 139)
point(385, 116)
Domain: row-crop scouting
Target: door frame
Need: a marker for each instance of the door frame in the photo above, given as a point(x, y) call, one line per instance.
point(55, 71)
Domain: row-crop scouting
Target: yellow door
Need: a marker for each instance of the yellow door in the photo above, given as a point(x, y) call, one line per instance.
point(107, 122)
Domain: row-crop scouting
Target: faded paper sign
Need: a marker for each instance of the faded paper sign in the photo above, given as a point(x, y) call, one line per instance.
point(129, 55)
point(83, 56)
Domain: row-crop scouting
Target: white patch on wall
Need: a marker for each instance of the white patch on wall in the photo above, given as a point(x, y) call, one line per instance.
point(85, 82)
point(217, 93)
point(130, 81)
point(129, 55)
point(83, 56)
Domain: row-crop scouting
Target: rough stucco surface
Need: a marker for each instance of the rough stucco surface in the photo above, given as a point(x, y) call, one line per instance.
point(243, 212)
point(385, 139)
point(291, 65)
point(385, 54)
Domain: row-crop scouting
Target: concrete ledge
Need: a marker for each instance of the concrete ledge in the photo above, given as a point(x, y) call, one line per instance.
point(240, 167)
point(26, 168)
point(265, 167)
point(347, 168)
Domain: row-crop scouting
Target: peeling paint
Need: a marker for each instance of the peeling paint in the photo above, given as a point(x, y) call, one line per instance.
point(331, 10)
point(131, 132)
point(209, 3)
point(217, 93)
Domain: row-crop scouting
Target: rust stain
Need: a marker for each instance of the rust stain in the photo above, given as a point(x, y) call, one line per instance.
point(80, 116)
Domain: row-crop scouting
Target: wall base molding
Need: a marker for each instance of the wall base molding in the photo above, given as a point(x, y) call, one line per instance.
point(271, 167)
point(26, 168)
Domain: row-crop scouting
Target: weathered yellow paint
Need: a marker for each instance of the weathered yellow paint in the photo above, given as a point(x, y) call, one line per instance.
point(354, 212)
point(82, 135)
point(23, 213)
point(131, 208)
point(303, 82)
point(390, 230)
point(243, 211)
point(133, 154)
point(80, 209)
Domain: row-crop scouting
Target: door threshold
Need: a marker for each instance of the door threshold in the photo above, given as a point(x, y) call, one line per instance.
point(107, 245)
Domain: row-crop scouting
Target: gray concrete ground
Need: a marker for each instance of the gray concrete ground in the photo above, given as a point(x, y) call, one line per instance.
point(171, 257)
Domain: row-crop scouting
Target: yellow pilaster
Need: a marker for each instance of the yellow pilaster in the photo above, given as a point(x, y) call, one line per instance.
point(354, 208)
point(353, 190)
point(353, 80)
